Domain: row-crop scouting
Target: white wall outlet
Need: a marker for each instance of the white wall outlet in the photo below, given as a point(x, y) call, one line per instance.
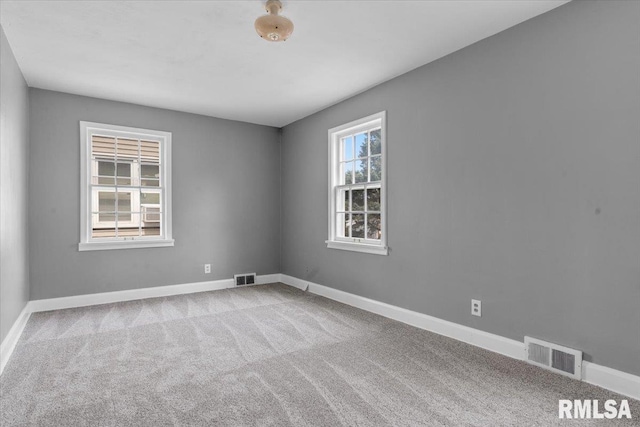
point(476, 307)
point(207, 268)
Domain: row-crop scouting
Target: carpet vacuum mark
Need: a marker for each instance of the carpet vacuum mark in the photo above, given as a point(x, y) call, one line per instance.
point(267, 355)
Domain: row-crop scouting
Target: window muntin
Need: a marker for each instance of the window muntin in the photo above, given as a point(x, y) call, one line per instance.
point(126, 187)
point(357, 190)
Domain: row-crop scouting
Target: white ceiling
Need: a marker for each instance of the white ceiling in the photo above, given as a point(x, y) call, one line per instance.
point(205, 56)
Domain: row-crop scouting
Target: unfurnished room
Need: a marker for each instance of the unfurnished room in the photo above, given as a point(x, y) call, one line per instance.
point(320, 213)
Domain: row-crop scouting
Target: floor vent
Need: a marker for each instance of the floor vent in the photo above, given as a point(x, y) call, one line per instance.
point(556, 358)
point(245, 279)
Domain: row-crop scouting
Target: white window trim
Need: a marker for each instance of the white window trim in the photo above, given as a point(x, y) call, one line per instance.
point(88, 244)
point(350, 244)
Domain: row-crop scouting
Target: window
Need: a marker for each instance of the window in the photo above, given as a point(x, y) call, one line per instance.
point(357, 193)
point(125, 187)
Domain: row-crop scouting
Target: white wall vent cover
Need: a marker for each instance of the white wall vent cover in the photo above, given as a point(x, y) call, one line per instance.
point(556, 358)
point(244, 279)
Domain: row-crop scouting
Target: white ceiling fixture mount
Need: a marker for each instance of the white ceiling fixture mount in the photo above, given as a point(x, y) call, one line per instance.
point(273, 27)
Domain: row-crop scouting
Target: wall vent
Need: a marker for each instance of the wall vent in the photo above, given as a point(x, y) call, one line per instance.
point(556, 358)
point(245, 279)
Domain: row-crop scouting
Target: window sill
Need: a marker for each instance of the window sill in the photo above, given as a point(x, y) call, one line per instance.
point(358, 247)
point(128, 244)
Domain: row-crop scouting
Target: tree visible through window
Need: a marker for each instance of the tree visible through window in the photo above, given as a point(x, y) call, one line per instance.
point(357, 185)
point(359, 206)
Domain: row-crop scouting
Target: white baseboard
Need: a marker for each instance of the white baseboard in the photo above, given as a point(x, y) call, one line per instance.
point(135, 294)
point(611, 379)
point(268, 278)
point(129, 295)
point(9, 342)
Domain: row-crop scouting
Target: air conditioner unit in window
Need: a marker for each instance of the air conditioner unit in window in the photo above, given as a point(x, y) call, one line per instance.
point(150, 213)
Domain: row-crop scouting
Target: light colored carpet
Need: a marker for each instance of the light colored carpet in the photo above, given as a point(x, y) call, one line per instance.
point(267, 355)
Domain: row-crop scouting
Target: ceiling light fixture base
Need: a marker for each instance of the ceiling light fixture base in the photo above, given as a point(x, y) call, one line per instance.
point(273, 27)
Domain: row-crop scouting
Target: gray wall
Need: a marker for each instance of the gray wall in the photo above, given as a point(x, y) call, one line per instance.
point(14, 163)
point(226, 204)
point(514, 178)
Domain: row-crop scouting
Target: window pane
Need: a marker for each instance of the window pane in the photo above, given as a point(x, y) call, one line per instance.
point(150, 151)
point(376, 168)
point(124, 217)
point(358, 200)
point(151, 216)
point(149, 198)
point(342, 201)
point(103, 146)
point(361, 145)
point(150, 183)
point(150, 171)
point(347, 145)
point(151, 219)
point(375, 142)
point(151, 230)
point(124, 201)
point(106, 168)
point(342, 224)
point(361, 170)
point(106, 201)
point(128, 224)
point(124, 173)
point(346, 172)
point(127, 148)
point(103, 231)
point(124, 169)
point(373, 227)
point(357, 225)
point(373, 199)
point(105, 181)
point(106, 216)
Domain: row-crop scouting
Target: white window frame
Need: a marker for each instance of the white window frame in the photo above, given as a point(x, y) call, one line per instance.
point(87, 243)
point(371, 246)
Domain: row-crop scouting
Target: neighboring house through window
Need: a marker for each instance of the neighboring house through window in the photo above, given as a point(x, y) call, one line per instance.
point(357, 193)
point(125, 187)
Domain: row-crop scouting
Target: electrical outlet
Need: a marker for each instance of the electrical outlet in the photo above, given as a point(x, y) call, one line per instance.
point(207, 268)
point(476, 307)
